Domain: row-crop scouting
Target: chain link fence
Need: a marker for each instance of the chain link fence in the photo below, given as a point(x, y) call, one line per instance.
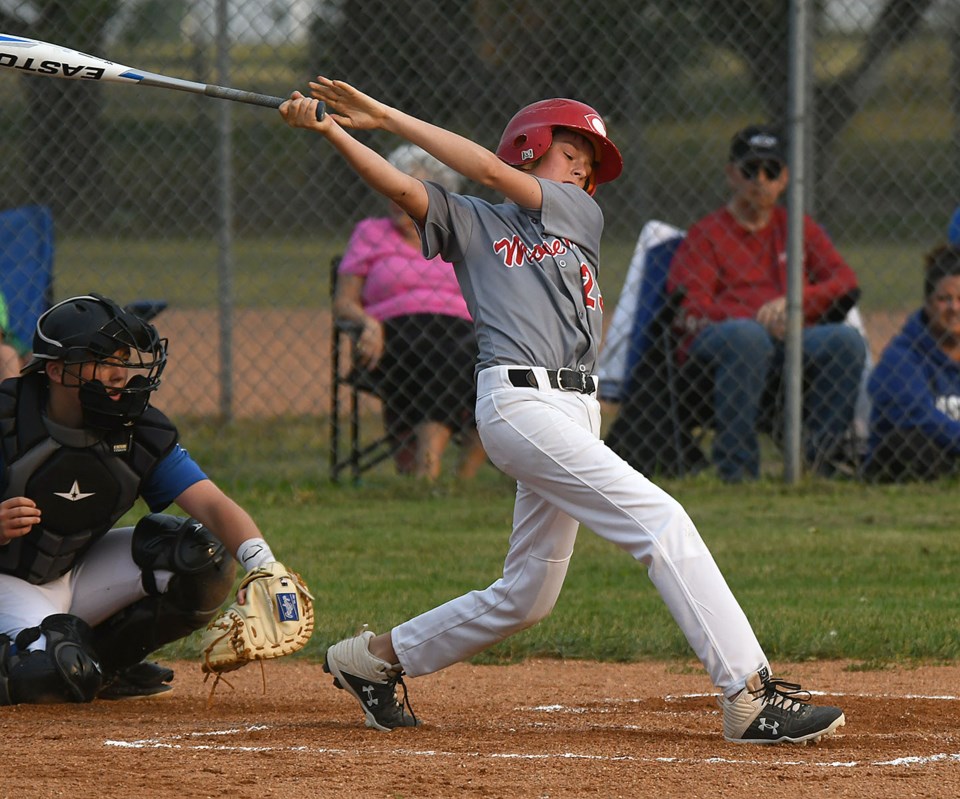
point(233, 221)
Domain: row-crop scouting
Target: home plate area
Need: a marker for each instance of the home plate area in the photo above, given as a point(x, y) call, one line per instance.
point(538, 729)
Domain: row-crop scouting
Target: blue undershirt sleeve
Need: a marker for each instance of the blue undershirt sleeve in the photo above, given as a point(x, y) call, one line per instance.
point(170, 478)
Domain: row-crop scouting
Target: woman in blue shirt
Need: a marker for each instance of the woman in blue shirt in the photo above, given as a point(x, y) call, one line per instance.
point(915, 387)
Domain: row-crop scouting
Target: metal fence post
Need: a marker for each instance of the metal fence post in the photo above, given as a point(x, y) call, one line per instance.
point(796, 124)
point(225, 216)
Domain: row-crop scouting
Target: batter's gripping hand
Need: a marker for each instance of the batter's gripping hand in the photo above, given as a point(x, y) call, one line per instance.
point(276, 619)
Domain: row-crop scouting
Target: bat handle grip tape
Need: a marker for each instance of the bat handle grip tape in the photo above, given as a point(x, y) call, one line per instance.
point(240, 96)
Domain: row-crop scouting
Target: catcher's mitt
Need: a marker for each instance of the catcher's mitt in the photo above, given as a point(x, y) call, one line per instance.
point(276, 619)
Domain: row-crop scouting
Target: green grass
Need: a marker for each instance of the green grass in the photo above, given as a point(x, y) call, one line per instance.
point(823, 569)
point(294, 272)
point(277, 272)
point(890, 274)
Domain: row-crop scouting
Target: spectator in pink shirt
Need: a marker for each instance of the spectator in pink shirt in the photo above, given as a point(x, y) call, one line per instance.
point(417, 336)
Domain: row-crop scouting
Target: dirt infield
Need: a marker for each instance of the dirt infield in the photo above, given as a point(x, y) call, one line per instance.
point(281, 361)
point(540, 729)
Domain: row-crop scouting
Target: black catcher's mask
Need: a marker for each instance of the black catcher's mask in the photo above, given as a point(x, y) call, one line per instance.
point(94, 329)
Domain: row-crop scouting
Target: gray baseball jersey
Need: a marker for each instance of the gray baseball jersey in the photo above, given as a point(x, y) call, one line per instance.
point(529, 276)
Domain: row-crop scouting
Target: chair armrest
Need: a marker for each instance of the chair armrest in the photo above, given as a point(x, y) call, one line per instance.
point(146, 309)
point(840, 307)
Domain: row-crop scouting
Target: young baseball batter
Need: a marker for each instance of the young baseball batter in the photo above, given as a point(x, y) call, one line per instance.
point(528, 270)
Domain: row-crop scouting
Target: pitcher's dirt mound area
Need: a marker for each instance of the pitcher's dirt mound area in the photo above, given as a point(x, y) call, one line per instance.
point(540, 729)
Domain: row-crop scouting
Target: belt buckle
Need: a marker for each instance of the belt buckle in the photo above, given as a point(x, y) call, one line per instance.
point(581, 380)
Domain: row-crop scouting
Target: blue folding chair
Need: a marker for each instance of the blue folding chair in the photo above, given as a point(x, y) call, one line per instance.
point(953, 228)
point(26, 273)
point(26, 270)
point(654, 429)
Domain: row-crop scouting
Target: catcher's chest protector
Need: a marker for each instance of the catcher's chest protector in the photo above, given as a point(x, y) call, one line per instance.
point(82, 484)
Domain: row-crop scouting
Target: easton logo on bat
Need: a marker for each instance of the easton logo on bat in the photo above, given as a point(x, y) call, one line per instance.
point(43, 58)
point(81, 71)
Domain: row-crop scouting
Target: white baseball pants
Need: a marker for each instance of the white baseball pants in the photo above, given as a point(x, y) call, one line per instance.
point(548, 440)
point(105, 581)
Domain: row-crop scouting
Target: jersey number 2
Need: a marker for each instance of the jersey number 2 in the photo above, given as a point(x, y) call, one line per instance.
point(592, 297)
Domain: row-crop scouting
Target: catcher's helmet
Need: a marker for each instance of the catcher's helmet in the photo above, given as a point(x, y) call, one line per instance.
point(530, 133)
point(92, 329)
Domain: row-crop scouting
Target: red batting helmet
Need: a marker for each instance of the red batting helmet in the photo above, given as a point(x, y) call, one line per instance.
point(529, 134)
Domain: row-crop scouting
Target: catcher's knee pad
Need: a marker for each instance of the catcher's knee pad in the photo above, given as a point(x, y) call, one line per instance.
point(203, 574)
point(203, 571)
point(66, 670)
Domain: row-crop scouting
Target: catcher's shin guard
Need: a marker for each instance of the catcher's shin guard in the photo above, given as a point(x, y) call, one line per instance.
point(66, 670)
point(203, 574)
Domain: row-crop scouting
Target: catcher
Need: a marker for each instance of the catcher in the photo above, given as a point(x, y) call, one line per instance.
point(82, 603)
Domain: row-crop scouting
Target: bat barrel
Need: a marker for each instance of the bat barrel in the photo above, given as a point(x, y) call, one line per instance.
point(30, 56)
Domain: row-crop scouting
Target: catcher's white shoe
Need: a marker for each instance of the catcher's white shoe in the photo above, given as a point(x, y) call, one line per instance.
point(772, 711)
point(371, 681)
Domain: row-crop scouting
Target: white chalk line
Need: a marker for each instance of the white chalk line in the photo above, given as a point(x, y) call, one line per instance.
point(191, 741)
point(179, 742)
point(573, 709)
point(935, 697)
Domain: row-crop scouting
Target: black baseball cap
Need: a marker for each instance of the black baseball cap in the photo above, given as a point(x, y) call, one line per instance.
point(757, 143)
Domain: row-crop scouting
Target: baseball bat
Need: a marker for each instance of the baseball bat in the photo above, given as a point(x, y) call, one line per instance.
point(32, 57)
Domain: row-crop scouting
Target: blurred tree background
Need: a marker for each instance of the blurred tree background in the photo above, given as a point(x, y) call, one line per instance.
point(135, 176)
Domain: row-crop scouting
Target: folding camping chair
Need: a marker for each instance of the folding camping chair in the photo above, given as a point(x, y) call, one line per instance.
point(655, 429)
point(664, 409)
point(26, 270)
point(348, 451)
point(26, 273)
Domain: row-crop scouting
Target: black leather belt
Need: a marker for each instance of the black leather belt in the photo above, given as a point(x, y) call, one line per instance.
point(563, 379)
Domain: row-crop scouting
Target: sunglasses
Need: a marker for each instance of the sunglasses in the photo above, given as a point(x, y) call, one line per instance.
point(771, 169)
